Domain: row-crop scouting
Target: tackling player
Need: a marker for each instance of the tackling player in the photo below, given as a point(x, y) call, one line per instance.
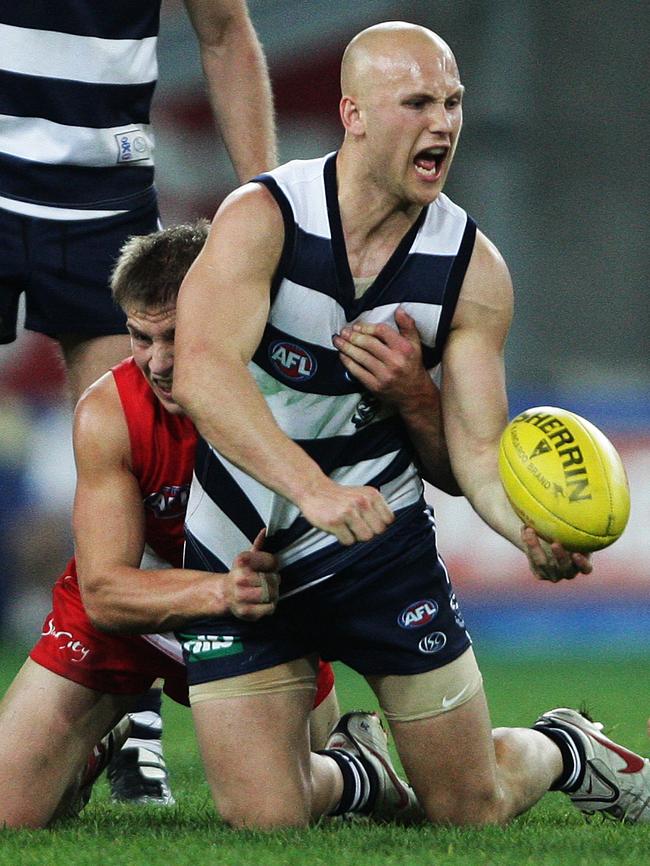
point(135, 452)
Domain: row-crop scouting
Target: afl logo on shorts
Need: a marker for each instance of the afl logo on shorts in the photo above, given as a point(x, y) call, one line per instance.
point(418, 614)
point(291, 361)
point(432, 643)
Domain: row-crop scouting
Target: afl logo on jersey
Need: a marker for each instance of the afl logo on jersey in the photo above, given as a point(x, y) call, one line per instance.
point(291, 361)
point(418, 614)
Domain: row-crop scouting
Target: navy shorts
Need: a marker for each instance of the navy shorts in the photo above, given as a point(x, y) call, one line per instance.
point(64, 269)
point(392, 612)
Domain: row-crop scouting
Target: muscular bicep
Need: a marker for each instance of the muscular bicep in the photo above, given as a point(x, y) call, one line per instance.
point(224, 300)
point(108, 519)
point(473, 377)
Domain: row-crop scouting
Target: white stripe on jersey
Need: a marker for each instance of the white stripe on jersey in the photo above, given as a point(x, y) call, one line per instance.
point(303, 173)
point(402, 491)
point(166, 642)
point(203, 514)
point(427, 316)
point(47, 212)
point(322, 308)
point(443, 228)
point(44, 141)
point(78, 58)
point(320, 416)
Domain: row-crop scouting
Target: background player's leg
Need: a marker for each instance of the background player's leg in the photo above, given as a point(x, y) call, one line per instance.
point(48, 728)
point(88, 358)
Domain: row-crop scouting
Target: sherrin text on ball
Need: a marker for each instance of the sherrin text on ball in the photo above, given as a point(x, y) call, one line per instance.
point(564, 478)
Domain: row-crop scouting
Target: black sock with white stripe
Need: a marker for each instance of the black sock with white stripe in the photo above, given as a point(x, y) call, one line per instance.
point(573, 756)
point(359, 786)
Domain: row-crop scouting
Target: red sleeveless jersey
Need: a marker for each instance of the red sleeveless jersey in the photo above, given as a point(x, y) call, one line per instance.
point(162, 460)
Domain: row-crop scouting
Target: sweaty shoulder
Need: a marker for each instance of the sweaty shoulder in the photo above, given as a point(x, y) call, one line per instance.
point(250, 214)
point(99, 429)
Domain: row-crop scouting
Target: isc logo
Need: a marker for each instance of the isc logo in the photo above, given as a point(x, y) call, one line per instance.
point(292, 361)
point(418, 614)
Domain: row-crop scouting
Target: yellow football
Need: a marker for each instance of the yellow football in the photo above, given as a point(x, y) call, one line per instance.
point(564, 478)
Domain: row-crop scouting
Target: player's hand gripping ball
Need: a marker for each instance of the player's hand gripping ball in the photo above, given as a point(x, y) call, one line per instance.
point(564, 478)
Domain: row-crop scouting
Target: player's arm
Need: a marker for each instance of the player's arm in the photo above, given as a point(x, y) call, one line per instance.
point(388, 363)
point(238, 85)
point(222, 310)
point(476, 410)
point(108, 523)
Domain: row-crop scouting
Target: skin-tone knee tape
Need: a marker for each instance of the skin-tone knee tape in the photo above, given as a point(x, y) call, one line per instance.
point(295, 675)
point(419, 696)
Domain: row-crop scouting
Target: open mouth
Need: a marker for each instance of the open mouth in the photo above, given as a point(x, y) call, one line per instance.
point(164, 386)
point(429, 162)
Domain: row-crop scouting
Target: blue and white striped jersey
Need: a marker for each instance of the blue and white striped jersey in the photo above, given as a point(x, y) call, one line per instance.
point(312, 397)
point(76, 82)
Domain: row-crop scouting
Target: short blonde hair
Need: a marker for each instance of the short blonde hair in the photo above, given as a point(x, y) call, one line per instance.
point(150, 268)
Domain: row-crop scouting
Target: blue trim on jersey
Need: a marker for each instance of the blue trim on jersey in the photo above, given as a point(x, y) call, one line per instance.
point(335, 557)
point(284, 537)
point(454, 285)
point(371, 442)
point(114, 187)
point(290, 228)
point(332, 376)
point(375, 294)
point(199, 557)
point(117, 19)
point(68, 102)
point(313, 265)
point(214, 476)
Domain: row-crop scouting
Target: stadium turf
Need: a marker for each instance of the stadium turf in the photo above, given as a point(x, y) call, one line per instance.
point(551, 834)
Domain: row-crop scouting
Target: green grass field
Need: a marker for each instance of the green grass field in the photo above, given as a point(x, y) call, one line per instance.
point(189, 834)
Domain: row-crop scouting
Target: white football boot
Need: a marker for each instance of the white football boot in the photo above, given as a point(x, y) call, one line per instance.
point(363, 735)
point(616, 780)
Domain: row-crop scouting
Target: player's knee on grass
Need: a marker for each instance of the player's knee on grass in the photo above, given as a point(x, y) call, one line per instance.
point(479, 806)
point(409, 703)
point(263, 814)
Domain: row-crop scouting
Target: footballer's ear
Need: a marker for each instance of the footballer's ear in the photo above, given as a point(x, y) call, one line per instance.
point(351, 116)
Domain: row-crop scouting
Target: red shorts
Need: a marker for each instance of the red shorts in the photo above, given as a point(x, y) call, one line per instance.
point(120, 664)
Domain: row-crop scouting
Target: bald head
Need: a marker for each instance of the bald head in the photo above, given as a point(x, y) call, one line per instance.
point(386, 51)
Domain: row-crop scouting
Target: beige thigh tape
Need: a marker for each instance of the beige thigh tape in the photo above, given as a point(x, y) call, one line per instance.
point(419, 696)
point(290, 676)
